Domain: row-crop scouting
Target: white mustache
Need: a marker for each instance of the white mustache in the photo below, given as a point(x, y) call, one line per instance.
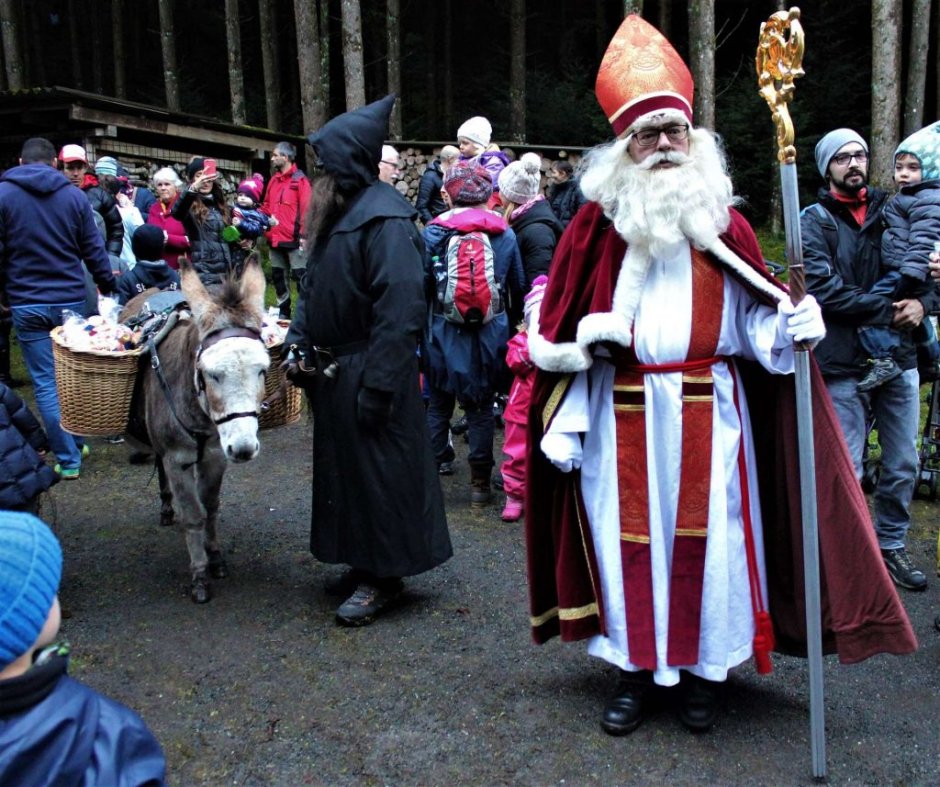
point(672, 156)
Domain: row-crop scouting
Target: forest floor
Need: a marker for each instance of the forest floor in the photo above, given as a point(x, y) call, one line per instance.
point(260, 687)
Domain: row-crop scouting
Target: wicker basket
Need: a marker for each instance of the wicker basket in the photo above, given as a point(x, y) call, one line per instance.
point(283, 411)
point(95, 387)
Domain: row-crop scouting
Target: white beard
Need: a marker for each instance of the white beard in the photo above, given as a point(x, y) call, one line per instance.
point(656, 208)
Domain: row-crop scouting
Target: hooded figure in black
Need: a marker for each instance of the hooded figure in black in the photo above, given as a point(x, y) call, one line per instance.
point(377, 503)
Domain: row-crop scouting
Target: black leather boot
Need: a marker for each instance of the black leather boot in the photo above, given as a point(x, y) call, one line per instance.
point(623, 712)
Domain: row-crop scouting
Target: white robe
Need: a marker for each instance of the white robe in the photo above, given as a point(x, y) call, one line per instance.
point(584, 428)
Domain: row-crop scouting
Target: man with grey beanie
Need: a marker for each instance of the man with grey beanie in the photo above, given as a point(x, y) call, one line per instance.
point(842, 253)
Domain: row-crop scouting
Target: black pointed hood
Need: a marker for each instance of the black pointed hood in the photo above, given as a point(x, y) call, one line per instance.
point(349, 146)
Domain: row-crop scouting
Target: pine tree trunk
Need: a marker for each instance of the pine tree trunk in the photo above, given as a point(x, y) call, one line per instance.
point(447, 60)
point(702, 57)
point(324, 11)
point(93, 26)
point(601, 37)
point(308, 62)
point(885, 89)
point(168, 44)
point(517, 71)
point(431, 52)
point(393, 31)
point(12, 51)
point(75, 37)
point(632, 7)
point(665, 17)
point(236, 79)
point(272, 93)
point(117, 39)
point(353, 71)
point(917, 66)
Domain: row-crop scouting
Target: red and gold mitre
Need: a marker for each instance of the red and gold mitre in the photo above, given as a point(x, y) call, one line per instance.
point(640, 74)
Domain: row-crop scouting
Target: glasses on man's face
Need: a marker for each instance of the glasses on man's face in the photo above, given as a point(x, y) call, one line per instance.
point(844, 158)
point(650, 136)
point(392, 164)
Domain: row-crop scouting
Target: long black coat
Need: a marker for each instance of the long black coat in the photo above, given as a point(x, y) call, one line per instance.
point(377, 502)
point(538, 231)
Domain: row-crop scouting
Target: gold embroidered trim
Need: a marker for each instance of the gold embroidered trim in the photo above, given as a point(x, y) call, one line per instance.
point(635, 539)
point(542, 619)
point(576, 613)
point(630, 408)
point(687, 531)
point(558, 392)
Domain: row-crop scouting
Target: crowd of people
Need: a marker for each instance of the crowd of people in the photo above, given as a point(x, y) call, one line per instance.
point(626, 316)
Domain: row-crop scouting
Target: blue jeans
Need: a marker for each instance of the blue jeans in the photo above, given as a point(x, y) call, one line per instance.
point(33, 324)
point(895, 406)
point(480, 427)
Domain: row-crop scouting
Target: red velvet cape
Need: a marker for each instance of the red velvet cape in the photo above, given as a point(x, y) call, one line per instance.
point(861, 612)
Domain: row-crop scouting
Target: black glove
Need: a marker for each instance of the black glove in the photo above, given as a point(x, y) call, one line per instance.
point(374, 408)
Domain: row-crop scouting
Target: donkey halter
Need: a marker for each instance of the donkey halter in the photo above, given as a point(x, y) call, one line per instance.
point(200, 381)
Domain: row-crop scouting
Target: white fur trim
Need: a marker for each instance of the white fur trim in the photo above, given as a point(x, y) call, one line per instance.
point(616, 325)
point(745, 271)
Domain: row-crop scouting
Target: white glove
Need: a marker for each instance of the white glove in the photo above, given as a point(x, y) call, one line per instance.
point(804, 322)
point(563, 449)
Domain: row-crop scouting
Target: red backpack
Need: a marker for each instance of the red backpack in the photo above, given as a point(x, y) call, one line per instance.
point(466, 280)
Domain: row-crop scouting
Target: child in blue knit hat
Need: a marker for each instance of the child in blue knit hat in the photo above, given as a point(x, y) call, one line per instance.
point(53, 729)
point(912, 227)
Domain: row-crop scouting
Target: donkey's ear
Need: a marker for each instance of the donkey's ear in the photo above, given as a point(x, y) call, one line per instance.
point(193, 289)
point(253, 282)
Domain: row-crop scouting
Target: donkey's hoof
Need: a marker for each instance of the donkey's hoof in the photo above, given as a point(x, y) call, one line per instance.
point(166, 518)
point(200, 591)
point(218, 568)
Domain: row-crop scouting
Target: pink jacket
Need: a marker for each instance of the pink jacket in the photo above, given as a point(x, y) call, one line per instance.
point(517, 359)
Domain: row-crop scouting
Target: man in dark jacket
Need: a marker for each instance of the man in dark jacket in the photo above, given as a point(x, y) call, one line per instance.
point(53, 729)
point(377, 503)
point(46, 232)
point(75, 165)
point(842, 253)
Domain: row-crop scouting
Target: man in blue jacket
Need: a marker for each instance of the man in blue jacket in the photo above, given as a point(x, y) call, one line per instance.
point(46, 232)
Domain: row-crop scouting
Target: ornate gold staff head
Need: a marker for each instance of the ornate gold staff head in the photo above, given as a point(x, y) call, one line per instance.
point(779, 61)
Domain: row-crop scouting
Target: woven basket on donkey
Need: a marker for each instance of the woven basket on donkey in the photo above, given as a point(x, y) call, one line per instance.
point(283, 411)
point(95, 387)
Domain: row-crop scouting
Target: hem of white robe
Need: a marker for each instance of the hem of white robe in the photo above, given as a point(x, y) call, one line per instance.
point(600, 647)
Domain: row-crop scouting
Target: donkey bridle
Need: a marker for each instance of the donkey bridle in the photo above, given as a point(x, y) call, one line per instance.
point(199, 437)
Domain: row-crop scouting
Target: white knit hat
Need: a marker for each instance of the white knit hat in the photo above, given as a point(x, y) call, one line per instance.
point(520, 181)
point(476, 129)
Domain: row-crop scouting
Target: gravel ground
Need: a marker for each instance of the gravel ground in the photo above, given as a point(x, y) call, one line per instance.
point(261, 687)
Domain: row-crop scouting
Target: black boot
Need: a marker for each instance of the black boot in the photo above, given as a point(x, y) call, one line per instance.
point(481, 495)
point(700, 699)
point(623, 712)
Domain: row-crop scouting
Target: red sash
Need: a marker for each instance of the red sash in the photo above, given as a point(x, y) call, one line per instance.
point(688, 558)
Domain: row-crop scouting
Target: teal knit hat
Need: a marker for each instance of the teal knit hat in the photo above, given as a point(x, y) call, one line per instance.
point(924, 145)
point(30, 570)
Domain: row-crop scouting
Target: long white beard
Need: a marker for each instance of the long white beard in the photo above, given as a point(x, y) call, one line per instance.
point(656, 208)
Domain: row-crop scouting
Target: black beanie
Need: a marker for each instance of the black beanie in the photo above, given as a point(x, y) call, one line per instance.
point(147, 243)
point(194, 166)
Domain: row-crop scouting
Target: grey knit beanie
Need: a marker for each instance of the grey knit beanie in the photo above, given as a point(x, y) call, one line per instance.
point(520, 181)
point(829, 145)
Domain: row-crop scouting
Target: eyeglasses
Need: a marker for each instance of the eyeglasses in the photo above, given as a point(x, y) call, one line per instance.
point(844, 158)
point(650, 136)
point(393, 164)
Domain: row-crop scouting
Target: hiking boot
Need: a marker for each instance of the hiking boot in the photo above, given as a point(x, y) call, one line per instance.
point(880, 371)
point(67, 473)
point(459, 426)
point(114, 439)
point(512, 511)
point(623, 712)
point(699, 707)
point(445, 468)
point(344, 584)
point(902, 570)
point(481, 495)
point(368, 601)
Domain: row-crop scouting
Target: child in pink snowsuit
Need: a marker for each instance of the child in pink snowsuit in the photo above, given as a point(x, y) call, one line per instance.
point(516, 413)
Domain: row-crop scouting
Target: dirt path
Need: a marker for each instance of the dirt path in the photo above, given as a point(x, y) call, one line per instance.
point(260, 687)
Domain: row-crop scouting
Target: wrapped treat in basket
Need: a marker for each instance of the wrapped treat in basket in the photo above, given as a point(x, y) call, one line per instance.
point(285, 409)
